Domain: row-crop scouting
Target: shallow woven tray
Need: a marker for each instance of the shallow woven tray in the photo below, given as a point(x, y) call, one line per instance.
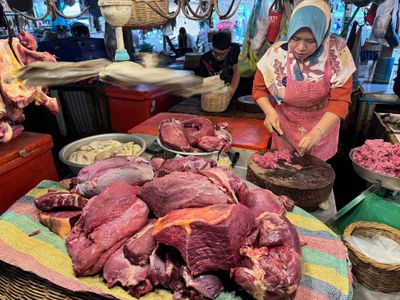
point(15, 283)
point(370, 273)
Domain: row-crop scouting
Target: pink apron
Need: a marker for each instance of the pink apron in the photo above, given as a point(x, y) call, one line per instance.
point(303, 107)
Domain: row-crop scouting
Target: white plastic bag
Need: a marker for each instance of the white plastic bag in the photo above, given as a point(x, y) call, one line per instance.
point(382, 19)
point(378, 247)
point(262, 26)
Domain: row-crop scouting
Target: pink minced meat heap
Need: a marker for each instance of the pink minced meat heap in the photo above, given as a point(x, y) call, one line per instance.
point(379, 156)
point(269, 160)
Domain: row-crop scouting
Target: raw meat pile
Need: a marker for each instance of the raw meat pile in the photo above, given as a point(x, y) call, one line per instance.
point(270, 159)
point(15, 95)
point(190, 227)
point(379, 156)
point(194, 135)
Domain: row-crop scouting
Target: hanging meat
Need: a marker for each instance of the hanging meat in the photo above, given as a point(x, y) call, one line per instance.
point(15, 95)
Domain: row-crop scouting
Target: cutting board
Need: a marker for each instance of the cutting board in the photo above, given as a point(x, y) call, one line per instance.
point(246, 133)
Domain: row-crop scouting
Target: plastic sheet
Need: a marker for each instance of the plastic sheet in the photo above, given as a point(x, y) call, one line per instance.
point(379, 248)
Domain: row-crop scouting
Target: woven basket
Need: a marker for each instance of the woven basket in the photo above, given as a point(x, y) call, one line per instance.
point(370, 273)
point(144, 17)
point(215, 101)
point(18, 284)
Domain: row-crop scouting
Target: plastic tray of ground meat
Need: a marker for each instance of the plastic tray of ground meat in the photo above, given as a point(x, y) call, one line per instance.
point(388, 182)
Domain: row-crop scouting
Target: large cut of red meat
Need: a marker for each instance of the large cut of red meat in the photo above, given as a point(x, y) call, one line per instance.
point(208, 238)
point(195, 135)
point(172, 135)
point(167, 269)
point(60, 201)
point(130, 264)
point(271, 258)
point(96, 177)
point(182, 190)
point(107, 221)
point(184, 164)
point(197, 128)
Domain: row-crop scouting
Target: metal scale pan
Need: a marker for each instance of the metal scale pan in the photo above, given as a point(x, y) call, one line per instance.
point(387, 182)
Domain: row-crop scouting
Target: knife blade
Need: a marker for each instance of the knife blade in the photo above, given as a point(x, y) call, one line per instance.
point(286, 140)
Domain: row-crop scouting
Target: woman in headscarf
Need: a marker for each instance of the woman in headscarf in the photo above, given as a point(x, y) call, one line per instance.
point(304, 84)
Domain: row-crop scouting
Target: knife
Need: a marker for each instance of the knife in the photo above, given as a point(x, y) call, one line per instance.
point(286, 140)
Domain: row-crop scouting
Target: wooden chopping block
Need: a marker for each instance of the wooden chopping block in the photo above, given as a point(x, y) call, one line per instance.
point(307, 187)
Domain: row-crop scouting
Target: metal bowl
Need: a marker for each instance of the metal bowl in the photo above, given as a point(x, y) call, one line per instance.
point(66, 151)
point(388, 182)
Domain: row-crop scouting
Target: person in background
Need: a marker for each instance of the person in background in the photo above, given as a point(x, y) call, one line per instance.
point(185, 41)
point(304, 84)
point(221, 60)
point(396, 84)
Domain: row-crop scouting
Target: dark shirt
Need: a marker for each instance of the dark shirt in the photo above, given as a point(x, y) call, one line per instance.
point(209, 66)
point(396, 85)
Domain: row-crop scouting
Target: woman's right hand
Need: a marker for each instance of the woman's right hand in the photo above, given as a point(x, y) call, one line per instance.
point(272, 120)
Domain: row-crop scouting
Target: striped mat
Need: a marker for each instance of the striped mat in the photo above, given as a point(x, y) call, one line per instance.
point(326, 270)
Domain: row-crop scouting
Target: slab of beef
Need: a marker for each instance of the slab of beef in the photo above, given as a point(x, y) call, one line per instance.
point(181, 190)
point(168, 270)
point(379, 156)
point(94, 178)
point(107, 221)
point(172, 135)
point(208, 238)
point(60, 222)
point(213, 143)
point(197, 128)
point(118, 269)
point(271, 259)
point(139, 248)
point(130, 264)
point(220, 178)
point(60, 201)
point(184, 164)
point(263, 200)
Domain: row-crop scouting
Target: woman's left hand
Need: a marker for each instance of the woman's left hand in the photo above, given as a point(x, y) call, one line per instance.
point(309, 141)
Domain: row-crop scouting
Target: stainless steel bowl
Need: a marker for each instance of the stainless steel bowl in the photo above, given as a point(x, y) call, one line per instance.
point(388, 182)
point(66, 151)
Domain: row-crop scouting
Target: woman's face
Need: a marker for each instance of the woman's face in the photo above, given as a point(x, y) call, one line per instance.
point(302, 44)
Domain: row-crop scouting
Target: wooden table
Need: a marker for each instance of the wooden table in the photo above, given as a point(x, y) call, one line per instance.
point(246, 133)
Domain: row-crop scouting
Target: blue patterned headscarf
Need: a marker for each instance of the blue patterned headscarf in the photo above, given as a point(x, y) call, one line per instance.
point(311, 14)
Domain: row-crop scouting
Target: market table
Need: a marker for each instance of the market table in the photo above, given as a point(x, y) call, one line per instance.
point(246, 133)
point(326, 272)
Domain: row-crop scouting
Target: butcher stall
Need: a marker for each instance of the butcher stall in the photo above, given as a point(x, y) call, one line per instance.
point(58, 243)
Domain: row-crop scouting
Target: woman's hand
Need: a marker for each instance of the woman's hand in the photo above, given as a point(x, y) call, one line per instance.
point(309, 141)
point(272, 120)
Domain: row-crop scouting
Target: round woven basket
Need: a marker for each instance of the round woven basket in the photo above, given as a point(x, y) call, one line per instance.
point(18, 284)
point(370, 273)
point(215, 101)
point(144, 17)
